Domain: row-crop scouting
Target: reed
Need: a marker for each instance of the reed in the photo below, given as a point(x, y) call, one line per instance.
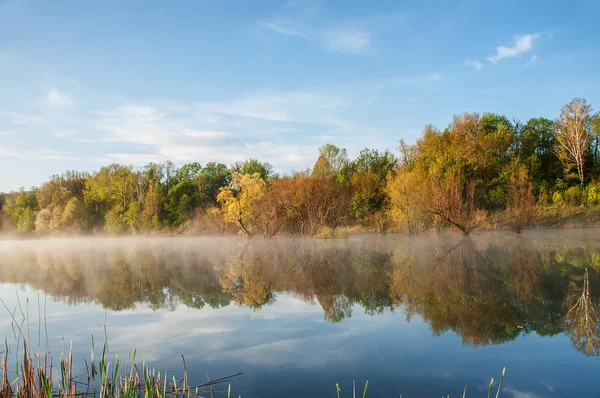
point(33, 377)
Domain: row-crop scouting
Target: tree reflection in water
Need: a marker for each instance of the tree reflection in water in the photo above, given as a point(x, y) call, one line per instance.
point(582, 321)
point(489, 288)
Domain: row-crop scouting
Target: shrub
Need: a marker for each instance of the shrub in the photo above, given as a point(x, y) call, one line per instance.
point(544, 195)
point(592, 194)
point(574, 195)
point(209, 221)
point(558, 198)
point(328, 233)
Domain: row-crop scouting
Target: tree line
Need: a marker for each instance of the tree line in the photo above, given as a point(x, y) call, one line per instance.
point(480, 164)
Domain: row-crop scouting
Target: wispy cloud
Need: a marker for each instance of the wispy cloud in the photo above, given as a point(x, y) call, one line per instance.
point(532, 60)
point(473, 64)
point(349, 41)
point(267, 124)
point(281, 29)
point(547, 385)
point(522, 43)
point(56, 98)
point(301, 107)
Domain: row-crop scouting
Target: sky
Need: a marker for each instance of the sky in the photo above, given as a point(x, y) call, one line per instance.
point(88, 83)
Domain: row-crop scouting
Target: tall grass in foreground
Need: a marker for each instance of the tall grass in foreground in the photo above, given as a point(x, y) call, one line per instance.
point(35, 377)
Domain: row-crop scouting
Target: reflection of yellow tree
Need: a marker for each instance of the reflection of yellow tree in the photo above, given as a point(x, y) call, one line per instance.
point(248, 283)
point(582, 321)
point(336, 308)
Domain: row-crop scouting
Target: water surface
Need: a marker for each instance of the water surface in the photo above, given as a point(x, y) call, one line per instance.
point(430, 313)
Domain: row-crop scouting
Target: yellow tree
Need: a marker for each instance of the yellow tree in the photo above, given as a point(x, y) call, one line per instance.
point(407, 198)
point(241, 200)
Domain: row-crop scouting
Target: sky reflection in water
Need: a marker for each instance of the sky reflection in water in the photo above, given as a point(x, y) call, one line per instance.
point(431, 313)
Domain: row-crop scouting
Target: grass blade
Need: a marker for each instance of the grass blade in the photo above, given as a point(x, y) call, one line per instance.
point(500, 385)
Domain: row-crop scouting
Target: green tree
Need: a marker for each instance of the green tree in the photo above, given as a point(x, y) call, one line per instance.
point(330, 163)
point(21, 209)
point(537, 149)
point(253, 166)
point(110, 199)
point(187, 172)
point(213, 177)
point(182, 199)
point(368, 181)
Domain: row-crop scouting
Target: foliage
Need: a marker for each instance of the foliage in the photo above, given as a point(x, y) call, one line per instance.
point(330, 163)
point(572, 132)
point(478, 164)
point(252, 166)
point(520, 200)
point(406, 193)
point(452, 199)
point(239, 201)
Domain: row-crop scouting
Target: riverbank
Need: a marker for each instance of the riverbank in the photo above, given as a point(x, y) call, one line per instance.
point(549, 217)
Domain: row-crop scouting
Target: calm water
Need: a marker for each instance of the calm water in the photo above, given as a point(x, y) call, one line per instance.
point(431, 313)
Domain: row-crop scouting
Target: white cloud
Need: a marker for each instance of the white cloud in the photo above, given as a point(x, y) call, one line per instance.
point(532, 60)
point(348, 41)
point(473, 64)
point(269, 125)
point(56, 98)
point(279, 28)
point(523, 43)
point(436, 76)
point(547, 385)
point(302, 107)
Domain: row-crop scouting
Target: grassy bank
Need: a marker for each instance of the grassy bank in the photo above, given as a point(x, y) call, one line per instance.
point(550, 217)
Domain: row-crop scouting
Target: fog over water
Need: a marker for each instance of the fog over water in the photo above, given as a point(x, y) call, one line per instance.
point(431, 312)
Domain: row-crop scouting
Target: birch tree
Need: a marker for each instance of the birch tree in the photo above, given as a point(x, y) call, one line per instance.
point(572, 131)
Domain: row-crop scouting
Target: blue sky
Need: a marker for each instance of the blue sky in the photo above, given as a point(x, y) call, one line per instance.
point(87, 83)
